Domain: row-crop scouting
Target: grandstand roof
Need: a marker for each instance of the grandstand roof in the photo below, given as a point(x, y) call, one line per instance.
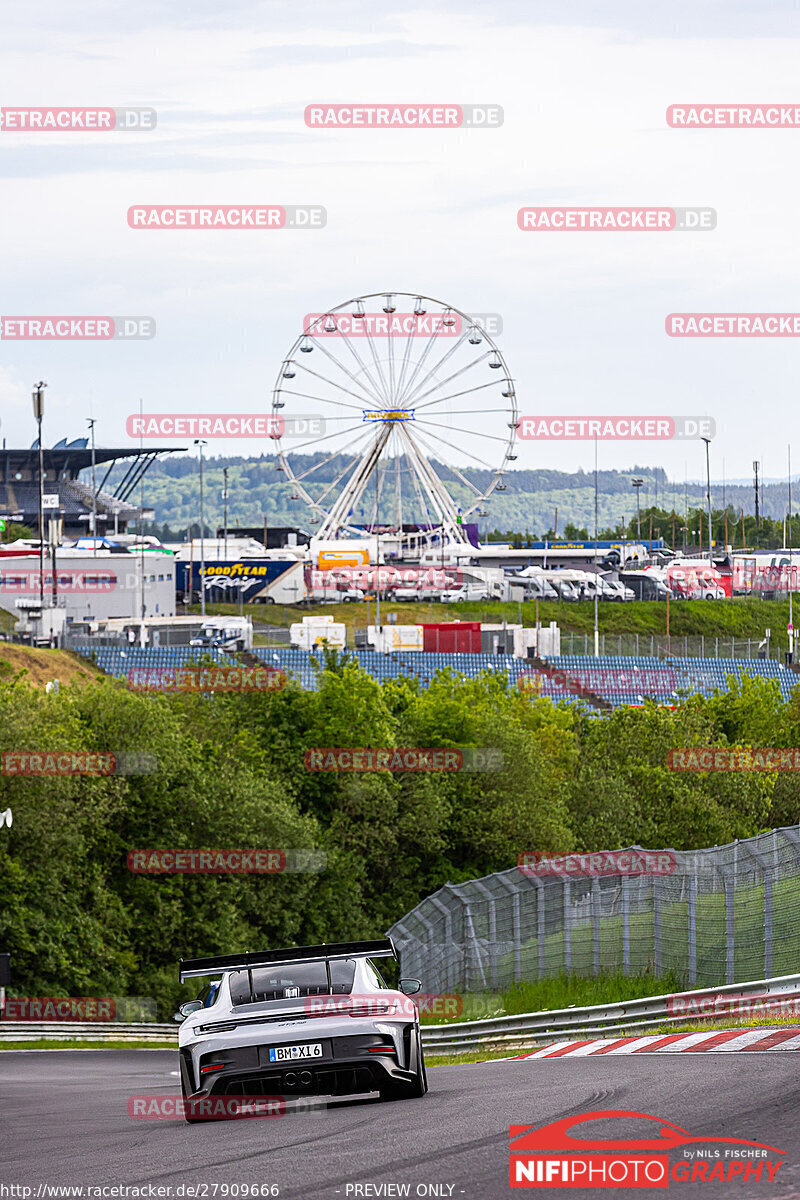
point(68, 460)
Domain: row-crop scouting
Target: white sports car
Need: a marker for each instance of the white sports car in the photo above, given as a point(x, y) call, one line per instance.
point(310, 1020)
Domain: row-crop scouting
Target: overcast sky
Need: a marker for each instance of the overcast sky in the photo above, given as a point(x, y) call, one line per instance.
point(584, 88)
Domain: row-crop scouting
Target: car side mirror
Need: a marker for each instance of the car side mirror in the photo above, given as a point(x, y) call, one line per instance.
point(191, 1006)
point(409, 987)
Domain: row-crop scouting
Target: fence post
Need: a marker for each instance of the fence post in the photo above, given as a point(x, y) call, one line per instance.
point(727, 884)
point(626, 925)
point(692, 929)
point(468, 922)
point(492, 915)
point(567, 929)
point(540, 924)
point(637, 645)
point(595, 926)
point(656, 927)
point(767, 925)
point(455, 972)
point(516, 934)
point(716, 647)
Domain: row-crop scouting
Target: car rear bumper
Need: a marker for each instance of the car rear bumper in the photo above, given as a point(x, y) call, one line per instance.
point(349, 1065)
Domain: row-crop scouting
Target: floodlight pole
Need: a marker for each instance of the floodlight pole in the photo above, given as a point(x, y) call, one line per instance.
point(596, 577)
point(94, 492)
point(225, 509)
point(637, 484)
point(791, 565)
point(38, 412)
point(199, 442)
point(708, 501)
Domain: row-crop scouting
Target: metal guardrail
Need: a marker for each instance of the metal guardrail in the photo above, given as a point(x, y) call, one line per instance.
point(101, 1031)
point(528, 1029)
point(519, 1031)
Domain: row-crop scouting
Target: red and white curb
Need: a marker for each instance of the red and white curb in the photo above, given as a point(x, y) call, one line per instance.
point(725, 1042)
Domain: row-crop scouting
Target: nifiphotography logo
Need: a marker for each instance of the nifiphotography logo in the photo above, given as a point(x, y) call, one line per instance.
point(551, 1156)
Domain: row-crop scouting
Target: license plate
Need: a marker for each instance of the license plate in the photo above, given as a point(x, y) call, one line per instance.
point(293, 1053)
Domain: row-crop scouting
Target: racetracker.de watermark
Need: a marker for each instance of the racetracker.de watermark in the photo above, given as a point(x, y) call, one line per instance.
point(355, 760)
point(206, 679)
point(59, 1008)
point(615, 429)
point(733, 116)
point(729, 1005)
point(77, 762)
point(155, 861)
point(227, 216)
point(599, 862)
point(222, 425)
point(419, 324)
point(745, 325)
point(76, 329)
point(747, 759)
point(627, 220)
point(104, 579)
point(158, 1107)
point(96, 120)
point(372, 1005)
point(403, 116)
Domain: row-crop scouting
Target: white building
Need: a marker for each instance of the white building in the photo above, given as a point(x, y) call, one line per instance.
point(92, 586)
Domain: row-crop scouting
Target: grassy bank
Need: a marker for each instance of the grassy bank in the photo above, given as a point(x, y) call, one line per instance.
point(554, 992)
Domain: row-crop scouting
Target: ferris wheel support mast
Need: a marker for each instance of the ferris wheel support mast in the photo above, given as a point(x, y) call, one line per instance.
point(436, 491)
point(338, 517)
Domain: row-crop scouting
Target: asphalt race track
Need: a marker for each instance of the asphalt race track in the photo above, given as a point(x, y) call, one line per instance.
point(63, 1120)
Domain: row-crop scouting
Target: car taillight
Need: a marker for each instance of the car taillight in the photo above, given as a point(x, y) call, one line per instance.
point(212, 1067)
point(372, 1009)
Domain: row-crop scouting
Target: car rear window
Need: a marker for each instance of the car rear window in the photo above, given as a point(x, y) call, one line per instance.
point(292, 981)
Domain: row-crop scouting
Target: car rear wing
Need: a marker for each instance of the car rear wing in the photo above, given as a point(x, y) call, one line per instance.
point(191, 967)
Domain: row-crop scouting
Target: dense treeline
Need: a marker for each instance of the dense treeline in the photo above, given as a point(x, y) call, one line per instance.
point(231, 774)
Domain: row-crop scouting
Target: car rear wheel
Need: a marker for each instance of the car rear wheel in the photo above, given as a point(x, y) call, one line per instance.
point(186, 1104)
point(416, 1087)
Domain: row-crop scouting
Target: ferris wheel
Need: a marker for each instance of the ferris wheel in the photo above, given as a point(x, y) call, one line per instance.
point(418, 417)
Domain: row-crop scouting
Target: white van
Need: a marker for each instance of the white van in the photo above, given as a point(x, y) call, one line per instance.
point(595, 585)
point(537, 587)
point(621, 592)
point(467, 591)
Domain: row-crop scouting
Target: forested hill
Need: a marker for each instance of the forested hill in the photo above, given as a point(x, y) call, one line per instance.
point(258, 491)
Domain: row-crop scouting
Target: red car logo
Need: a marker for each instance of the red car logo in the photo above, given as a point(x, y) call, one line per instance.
point(556, 1136)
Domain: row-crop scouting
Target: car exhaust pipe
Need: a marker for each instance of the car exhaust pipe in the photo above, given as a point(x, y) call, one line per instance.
point(305, 1079)
point(290, 1079)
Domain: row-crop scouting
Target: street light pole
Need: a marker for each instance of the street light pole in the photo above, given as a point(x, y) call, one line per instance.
point(38, 412)
point(225, 507)
point(596, 572)
point(199, 442)
point(708, 501)
point(94, 493)
point(791, 565)
point(637, 484)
